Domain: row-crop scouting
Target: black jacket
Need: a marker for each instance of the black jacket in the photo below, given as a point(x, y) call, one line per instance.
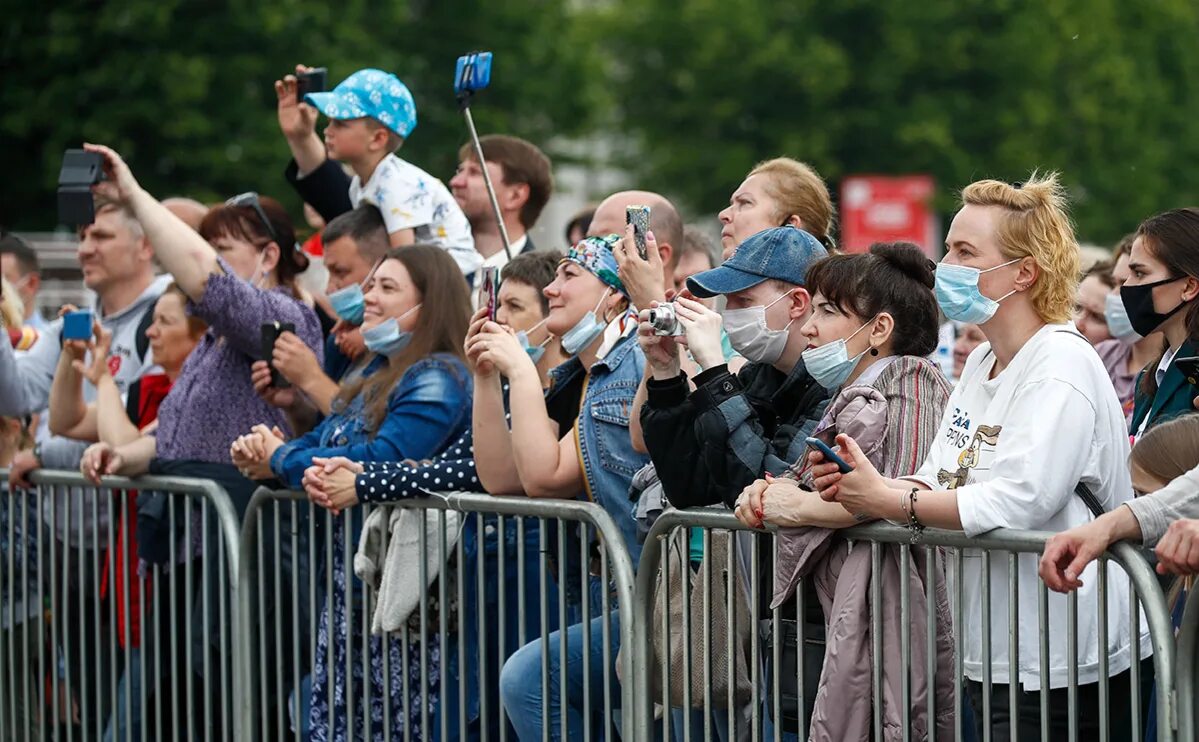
point(327, 188)
point(710, 444)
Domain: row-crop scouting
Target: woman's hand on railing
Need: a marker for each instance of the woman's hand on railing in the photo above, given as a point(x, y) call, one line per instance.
point(251, 453)
point(330, 483)
point(1068, 553)
point(749, 504)
point(98, 460)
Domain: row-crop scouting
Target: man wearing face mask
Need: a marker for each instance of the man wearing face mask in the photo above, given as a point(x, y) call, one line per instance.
point(708, 444)
point(354, 243)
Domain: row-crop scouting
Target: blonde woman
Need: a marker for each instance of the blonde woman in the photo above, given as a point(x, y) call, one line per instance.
point(777, 193)
point(1033, 416)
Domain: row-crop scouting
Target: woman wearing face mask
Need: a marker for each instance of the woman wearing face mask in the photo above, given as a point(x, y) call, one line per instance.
point(1159, 296)
point(409, 401)
point(777, 193)
point(1127, 353)
point(996, 462)
point(339, 483)
point(591, 458)
point(874, 321)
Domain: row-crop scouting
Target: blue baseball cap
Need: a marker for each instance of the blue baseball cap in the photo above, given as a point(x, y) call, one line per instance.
point(781, 253)
point(372, 94)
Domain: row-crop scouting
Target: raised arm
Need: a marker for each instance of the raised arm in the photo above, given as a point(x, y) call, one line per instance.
point(70, 416)
point(179, 249)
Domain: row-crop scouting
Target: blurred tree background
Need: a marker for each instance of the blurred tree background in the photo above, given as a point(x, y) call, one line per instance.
point(690, 92)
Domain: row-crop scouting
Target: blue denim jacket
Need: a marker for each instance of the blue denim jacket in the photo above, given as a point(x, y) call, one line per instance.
point(426, 411)
point(602, 432)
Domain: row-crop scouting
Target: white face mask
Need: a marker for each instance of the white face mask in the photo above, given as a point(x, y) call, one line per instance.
point(750, 336)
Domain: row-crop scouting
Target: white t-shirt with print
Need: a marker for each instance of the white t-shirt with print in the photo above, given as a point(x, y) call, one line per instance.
point(410, 198)
point(1014, 447)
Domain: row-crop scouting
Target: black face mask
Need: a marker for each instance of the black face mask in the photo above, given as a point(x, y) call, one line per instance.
point(1138, 302)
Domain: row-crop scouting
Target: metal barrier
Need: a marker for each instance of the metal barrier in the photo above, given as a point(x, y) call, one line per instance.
point(746, 704)
point(96, 646)
point(1188, 660)
point(497, 561)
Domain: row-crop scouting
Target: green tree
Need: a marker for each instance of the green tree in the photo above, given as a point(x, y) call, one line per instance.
point(1102, 90)
point(184, 89)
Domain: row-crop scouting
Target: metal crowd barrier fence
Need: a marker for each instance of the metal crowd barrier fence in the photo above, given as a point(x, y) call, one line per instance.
point(1188, 660)
point(726, 697)
point(482, 578)
point(95, 645)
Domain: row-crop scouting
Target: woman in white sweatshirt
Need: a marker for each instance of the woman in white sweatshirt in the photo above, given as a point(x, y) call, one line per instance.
point(1033, 416)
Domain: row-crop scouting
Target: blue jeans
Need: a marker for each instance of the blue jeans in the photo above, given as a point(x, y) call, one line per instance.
point(520, 683)
point(130, 685)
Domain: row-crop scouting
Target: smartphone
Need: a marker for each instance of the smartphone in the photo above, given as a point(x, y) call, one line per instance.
point(77, 325)
point(1190, 368)
point(489, 291)
point(312, 81)
point(638, 216)
point(270, 333)
point(80, 171)
point(472, 73)
point(829, 455)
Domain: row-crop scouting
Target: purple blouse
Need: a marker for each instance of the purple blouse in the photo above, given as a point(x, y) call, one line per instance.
point(213, 401)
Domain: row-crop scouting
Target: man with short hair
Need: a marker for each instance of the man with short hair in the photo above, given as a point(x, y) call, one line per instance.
point(19, 266)
point(353, 243)
point(698, 254)
point(523, 180)
point(645, 280)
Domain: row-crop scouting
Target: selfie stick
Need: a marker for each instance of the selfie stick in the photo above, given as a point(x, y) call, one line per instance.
point(464, 103)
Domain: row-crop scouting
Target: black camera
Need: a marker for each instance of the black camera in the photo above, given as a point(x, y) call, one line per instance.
point(80, 171)
point(312, 81)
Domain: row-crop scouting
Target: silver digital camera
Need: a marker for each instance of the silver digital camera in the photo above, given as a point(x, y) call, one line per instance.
point(665, 322)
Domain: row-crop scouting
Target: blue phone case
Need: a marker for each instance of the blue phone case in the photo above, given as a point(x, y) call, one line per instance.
point(823, 448)
point(472, 73)
point(77, 326)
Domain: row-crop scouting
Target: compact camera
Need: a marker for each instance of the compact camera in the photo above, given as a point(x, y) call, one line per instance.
point(665, 322)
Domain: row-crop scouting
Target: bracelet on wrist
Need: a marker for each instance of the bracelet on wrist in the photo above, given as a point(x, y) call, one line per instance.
point(914, 525)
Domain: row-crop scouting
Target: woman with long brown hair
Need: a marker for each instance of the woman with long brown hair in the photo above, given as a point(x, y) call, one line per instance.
point(408, 399)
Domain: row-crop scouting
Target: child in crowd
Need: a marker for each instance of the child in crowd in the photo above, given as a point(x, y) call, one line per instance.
point(371, 113)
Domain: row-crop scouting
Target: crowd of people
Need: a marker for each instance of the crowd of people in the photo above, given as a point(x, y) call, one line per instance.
point(1069, 409)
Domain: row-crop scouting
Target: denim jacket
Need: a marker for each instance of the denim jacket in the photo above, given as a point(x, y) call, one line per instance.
point(602, 432)
point(426, 411)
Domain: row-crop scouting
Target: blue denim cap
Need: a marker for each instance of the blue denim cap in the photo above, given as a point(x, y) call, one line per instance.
point(369, 94)
point(781, 253)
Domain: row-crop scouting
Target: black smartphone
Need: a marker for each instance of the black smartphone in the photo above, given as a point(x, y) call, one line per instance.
point(80, 171)
point(314, 80)
point(270, 333)
point(1189, 367)
point(829, 454)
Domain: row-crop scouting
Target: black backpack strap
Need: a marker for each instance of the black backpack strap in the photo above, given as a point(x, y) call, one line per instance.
point(141, 342)
point(1089, 498)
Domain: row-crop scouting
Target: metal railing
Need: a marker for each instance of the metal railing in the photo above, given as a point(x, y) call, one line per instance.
point(560, 581)
point(230, 622)
point(98, 644)
point(941, 550)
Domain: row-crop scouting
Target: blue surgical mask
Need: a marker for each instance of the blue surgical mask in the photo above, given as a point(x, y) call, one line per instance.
point(535, 351)
point(348, 304)
point(958, 295)
point(1118, 323)
point(585, 330)
point(830, 364)
point(386, 338)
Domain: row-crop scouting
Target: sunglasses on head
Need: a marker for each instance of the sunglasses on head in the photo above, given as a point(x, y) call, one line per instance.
point(250, 199)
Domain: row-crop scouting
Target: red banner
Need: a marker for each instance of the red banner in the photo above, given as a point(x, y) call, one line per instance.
point(877, 208)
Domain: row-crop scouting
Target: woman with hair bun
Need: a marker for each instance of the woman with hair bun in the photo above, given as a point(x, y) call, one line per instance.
point(874, 321)
point(1032, 438)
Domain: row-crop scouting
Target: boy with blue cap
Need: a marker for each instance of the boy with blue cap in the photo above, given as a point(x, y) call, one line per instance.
point(371, 113)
